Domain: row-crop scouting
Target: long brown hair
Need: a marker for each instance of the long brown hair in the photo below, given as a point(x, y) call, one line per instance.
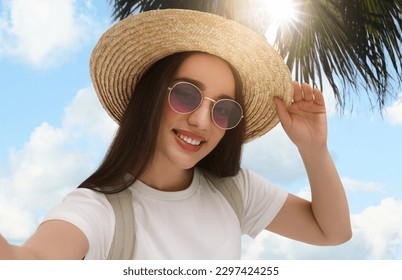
point(134, 144)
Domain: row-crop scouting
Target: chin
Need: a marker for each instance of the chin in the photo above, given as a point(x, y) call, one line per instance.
point(186, 164)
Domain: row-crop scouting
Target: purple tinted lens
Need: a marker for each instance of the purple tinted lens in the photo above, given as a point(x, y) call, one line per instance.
point(227, 113)
point(184, 98)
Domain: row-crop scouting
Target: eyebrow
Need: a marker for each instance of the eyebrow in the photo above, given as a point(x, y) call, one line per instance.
point(200, 85)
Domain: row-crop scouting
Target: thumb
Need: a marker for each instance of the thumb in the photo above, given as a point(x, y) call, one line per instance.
point(283, 114)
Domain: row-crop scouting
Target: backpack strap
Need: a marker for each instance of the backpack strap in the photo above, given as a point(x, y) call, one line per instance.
point(227, 187)
point(123, 244)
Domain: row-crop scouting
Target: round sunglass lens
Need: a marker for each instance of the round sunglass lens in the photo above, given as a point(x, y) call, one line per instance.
point(227, 113)
point(184, 98)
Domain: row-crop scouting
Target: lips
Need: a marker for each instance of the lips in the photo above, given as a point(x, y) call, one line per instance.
point(189, 141)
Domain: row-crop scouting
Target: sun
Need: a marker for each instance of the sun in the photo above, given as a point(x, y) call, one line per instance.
point(280, 11)
point(266, 16)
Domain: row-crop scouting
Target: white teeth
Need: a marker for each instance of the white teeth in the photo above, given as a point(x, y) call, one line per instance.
point(189, 140)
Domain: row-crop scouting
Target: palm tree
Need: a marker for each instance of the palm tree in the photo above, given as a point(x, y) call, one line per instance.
point(354, 42)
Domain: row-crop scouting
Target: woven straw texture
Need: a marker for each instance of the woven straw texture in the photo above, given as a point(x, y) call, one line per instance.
point(130, 47)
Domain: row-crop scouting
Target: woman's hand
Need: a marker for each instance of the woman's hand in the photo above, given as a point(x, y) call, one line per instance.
point(326, 219)
point(305, 122)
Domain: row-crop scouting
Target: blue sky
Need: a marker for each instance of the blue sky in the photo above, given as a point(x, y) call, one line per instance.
point(53, 133)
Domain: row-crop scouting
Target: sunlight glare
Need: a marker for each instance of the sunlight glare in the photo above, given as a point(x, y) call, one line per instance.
point(281, 11)
point(266, 16)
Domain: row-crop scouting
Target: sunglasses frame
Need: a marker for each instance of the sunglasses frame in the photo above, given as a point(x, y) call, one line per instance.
point(207, 98)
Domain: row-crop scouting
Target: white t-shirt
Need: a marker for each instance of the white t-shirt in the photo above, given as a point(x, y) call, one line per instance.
point(196, 223)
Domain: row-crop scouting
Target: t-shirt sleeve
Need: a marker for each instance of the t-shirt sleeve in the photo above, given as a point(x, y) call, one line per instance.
point(262, 201)
point(91, 212)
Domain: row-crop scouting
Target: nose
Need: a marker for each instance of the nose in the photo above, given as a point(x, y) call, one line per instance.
point(201, 118)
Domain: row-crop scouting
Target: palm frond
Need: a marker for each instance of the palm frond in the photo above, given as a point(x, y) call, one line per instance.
point(357, 42)
point(354, 42)
point(122, 9)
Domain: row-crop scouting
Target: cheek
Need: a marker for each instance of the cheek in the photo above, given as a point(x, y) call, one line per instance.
point(217, 135)
point(168, 114)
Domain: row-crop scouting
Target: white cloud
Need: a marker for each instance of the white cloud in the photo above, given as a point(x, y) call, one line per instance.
point(358, 186)
point(42, 32)
point(377, 234)
point(380, 228)
point(394, 112)
point(15, 221)
point(53, 162)
point(274, 156)
point(305, 193)
point(350, 186)
point(85, 117)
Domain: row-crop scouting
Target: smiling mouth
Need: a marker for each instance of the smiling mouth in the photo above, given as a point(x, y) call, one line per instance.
point(188, 140)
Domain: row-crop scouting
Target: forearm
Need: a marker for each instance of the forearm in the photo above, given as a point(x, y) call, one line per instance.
point(13, 252)
point(329, 203)
point(54, 239)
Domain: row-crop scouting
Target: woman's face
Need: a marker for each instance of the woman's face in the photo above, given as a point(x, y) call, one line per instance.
point(184, 139)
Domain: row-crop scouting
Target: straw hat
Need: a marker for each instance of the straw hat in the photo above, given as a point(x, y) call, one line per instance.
point(130, 47)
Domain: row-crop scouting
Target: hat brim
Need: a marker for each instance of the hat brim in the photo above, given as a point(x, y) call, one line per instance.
point(131, 46)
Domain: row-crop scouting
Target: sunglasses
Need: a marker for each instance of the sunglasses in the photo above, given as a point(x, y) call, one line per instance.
point(185, 98)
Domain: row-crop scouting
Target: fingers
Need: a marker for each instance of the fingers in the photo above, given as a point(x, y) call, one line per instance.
point(318, 97)
point(283, 114)
point(307, 92)
point(304, 92)
point(297, 95)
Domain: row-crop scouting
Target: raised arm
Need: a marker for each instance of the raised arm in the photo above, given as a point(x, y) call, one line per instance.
point(55, 239)
point(326, 219)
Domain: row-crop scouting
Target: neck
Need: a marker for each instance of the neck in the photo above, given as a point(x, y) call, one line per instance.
point(167, 179)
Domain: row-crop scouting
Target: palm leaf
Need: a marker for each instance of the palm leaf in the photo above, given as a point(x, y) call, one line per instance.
point(122, 9)
point(355, 43)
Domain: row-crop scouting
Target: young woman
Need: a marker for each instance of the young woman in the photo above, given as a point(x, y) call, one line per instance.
point(188, 89)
